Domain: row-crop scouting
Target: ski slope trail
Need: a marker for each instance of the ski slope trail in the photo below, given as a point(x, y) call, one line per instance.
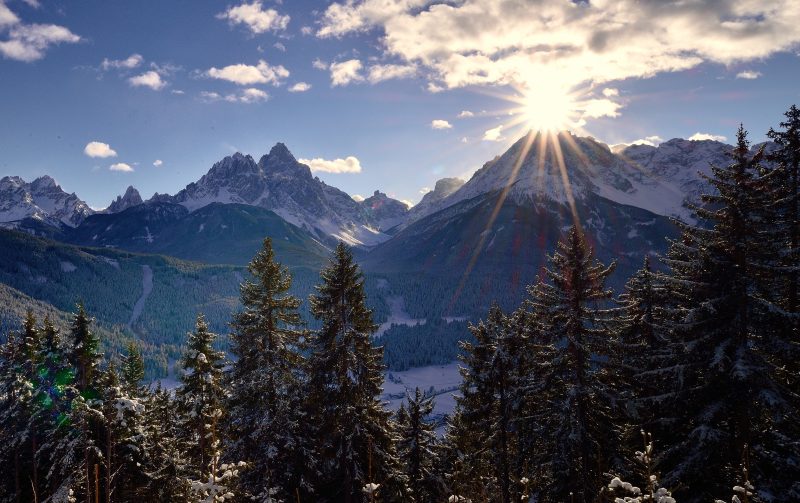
point(147, 287)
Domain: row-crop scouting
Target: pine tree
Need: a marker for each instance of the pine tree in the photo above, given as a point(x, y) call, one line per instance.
point(641, 355)
point(200, 399)
point(354, 432)
point(787, 156)
point(417, 448)
point(265, 382)
point(76, 445)
point(570, 382)
point(132, 369)
point(16, 402)
point(166, 463)
point(728, 395)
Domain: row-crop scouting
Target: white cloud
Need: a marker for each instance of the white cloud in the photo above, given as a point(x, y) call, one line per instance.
point(440, 124)
point(252, 95)
point(245, 75)
point(357, 198)
point(748, 75)
point(300, 87)
point(425, 190)
point(463, 139)
point(349, 164)
point(279, 46)
point(7, 18)
point(345, 72)
point(465, 114)
point(306, 30)
point(597, 108)
point(121, 167)
point(149, 79)
point(355, 16)
point(255, 17)
point(494, 134)
point(29, 42)
point(652, 141)
point(158, 163)
point(128, 63)
point(248, 96)
point(379, 73)
point(319, 64)
point(407, 202)
point(574, 44)
point(707, 136)
point(99, 149)
point(610, 92)
point(178, 91)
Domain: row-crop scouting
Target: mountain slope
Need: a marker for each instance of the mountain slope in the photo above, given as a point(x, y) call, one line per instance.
point(216, 233)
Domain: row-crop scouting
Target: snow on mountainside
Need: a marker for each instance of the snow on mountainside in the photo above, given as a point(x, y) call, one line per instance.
point(659, 179)
point(278, 182)
point(385, 211)
point(42, 199)
point(131, 198)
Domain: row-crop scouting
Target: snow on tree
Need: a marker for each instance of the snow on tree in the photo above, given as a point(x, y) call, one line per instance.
point(574, 416)
point(265, 382)
point(728, 392)
point(417, 448)
point(354, 434)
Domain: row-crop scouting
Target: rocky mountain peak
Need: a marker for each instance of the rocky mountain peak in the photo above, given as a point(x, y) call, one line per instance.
point(43, 199)
point(129, 199)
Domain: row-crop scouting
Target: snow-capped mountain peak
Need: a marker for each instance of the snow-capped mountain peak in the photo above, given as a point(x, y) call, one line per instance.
point(280, 183)
point(42, 199)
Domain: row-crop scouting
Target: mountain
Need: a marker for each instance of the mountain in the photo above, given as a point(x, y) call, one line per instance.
point(215, 233)
point(278, 182)
point(432, 201)
point(131, 198)
point(659, 179)
point(384, 211)
point(42, 200)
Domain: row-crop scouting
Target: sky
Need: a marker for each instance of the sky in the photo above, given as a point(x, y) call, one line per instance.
point(372, 94)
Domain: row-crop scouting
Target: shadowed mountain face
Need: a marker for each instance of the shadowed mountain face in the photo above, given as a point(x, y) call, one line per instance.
point(216, 233)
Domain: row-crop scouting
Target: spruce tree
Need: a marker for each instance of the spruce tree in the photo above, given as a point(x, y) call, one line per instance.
point(265, 382)
point(132, 371)
point(16, 402)
point(417, 448)
point(354, 433)
point(200, 399)
point(574, 418)
point(731, 404)
point(166, 461)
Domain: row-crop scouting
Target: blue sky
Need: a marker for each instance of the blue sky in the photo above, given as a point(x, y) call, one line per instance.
point(370, 90)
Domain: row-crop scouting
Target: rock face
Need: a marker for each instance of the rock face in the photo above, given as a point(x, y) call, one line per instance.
point(278, 182)
point(384, 211)
point(42, 200)
point(130, 199)
point(433, 200)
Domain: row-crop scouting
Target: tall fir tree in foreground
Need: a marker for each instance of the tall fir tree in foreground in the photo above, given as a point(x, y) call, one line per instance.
point(417, 448)
point(17, 409)
point(570, 380)
point(265, 383)
point(483, 447)
point(354, 433)
point(200, 400)
point(732, 405)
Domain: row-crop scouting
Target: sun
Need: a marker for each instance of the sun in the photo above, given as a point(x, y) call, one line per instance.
point(548, 108)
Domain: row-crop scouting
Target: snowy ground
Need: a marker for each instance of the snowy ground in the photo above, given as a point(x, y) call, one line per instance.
point(398, 316)
point(440, 380)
